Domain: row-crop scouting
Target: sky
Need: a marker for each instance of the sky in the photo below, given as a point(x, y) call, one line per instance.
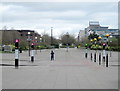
point(62, 16)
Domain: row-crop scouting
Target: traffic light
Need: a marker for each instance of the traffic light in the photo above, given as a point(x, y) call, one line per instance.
point(32, 45)
point(16, 44)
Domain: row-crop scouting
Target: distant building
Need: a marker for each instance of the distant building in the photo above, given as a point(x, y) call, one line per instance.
point(9, 36)
point(94, 26)
point(24, 35)
point(113, 32)
point(81, 35)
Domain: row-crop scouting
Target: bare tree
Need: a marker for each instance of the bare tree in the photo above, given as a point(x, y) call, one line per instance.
point(68, 39)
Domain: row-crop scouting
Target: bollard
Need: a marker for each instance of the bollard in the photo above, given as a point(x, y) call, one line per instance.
point(91, 56)
point(99, 58)
point(85, 55)
point(104, 55)
point(107, 60)
point(95, 57)
point(32, 56)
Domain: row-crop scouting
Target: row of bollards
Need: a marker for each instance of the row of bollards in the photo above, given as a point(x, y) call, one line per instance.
point(101, 58)
point(17, 53)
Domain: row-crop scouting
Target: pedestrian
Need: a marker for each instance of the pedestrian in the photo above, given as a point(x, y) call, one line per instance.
point(52, 55)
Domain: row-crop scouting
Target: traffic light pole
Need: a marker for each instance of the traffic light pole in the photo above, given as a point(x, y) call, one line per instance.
point(33, 52)
point(16, 53)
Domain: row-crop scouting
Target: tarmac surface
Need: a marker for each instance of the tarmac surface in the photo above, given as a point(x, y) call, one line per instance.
point(69, 70)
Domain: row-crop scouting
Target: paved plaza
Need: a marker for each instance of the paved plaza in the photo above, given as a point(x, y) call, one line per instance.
point(69, 70)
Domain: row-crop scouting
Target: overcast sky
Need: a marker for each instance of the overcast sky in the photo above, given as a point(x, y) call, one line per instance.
point(62, 16)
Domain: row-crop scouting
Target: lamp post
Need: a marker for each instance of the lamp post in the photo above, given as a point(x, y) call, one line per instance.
point(29, 42)
point(99, 39)
point(110, 46)
point(91, 41)
point(90, 46)
point(40, 42)
point(36, 43)
point(51, 36)
point(107, 35)
point(95, 40)
point(67, 34)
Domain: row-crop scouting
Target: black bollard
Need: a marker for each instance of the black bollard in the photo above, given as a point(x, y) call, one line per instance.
point(107, 60)
point(95, 57)
point(99, 58)
point(16, 63)
point(32, 58)
point(91, 56)
point(85, 55)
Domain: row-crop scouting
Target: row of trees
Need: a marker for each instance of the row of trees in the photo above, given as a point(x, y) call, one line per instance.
point(65, 40)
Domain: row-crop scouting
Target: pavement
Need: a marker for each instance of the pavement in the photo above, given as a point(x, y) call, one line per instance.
point(69, 70)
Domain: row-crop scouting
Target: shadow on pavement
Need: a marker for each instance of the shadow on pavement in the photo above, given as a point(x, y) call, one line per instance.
point(14, 65)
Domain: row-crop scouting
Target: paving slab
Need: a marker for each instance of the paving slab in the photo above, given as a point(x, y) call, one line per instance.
point(69, 70)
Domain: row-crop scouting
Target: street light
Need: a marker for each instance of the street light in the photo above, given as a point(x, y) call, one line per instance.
point(107, 35)
point(90, 47)
point(67, 34)
point(110, 46)
point(99, 38)
point(95, 39)
point(40, 42)
point(36, 43)
point(91, 42)
point(51, 36)
point(29, 42)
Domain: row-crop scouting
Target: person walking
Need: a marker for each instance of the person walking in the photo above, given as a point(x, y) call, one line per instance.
point(52, 55)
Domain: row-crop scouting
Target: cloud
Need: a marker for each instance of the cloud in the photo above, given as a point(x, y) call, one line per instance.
point(64, 17)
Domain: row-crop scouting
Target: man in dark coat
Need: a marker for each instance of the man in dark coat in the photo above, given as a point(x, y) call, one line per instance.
point(52, 55)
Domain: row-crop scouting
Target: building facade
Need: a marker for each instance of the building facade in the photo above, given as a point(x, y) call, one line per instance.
point(81, 35)
point(9, 36)
point(94, 26)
